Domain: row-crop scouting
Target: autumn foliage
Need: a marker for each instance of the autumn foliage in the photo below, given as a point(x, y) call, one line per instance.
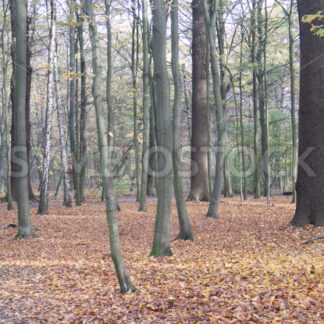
point(239, 269)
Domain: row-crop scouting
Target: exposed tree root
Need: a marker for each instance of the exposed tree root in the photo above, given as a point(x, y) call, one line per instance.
point(318, 237)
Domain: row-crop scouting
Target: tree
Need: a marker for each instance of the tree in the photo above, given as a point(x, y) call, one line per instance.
point(105, 156)
point(5, 103)
point(210, 12)
point(43, 200)
point(185, 225)
point(163, 116)
point(25, 228)
point(310, 178)
point(199, 140)
point(146, 110)
point(67, 200)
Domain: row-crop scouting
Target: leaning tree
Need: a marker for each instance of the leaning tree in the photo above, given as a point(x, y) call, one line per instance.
point(310, 179)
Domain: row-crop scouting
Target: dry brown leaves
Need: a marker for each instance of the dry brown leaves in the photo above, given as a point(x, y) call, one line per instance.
point(240, 269)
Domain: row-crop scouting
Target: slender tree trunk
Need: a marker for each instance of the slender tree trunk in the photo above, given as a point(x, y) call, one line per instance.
point(293, 101)
point(310, 179)
point(257, 189)
point(163, 115)
point(146, 107)
point(83, 150)
point(43, 200)
point(184, 221)
point(105, 157)
point(220, 25)
point(210, 20)
point(261, 76)
point(72, 103)
point(25, 228)
point(245, 196)
point(5, 104)
point(134, 67)
point(199, 140)
point(67, 200)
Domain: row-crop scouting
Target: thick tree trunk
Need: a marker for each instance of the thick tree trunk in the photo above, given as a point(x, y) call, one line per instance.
point(185, 225)
point(310, 179)
point(199, 140)
point(25, 228)
point(146, 107)
point(105, 157)
point(43, 198)
point(163, 116)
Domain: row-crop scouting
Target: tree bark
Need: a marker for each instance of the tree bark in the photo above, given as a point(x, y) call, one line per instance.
point(199, 140)
point(163, 116)
point(184, 221)
point(105, 157)
point(257, 189)
point(310, 179)
point(43, 198)
point(146, 107)
point(25, 228)
point(5, 105)
point(67, 200)
point(210, 19)
point(134, 68)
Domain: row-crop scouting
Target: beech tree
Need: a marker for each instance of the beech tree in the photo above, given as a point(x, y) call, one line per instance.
point(105, 156)
point(310, 178)
point(163, 116)
point(43, 201)
point(185, 225)
point(199, 140)
point(25, 228)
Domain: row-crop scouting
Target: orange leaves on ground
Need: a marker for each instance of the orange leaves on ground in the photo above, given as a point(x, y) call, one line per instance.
point(240, 269)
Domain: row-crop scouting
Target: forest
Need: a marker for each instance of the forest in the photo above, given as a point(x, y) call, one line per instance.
point(161, 161)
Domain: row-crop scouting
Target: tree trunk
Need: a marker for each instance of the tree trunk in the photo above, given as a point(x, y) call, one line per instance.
point(105, 157)
point(5, 105)
point(245, 195)
point(210, 19)
point(310, 179)
point(185, 225)
point(83, 150)
point(257, 189)
point(72, 104)
point(67, 200)
point(25, 228)
point(134, 67)
point(199, 140)
point(163, 116)
point(261, 76)
point(294, 161)
point(43, 198)
point(146, 107)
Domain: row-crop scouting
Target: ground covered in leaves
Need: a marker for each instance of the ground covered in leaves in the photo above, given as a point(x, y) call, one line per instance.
point(240, 269)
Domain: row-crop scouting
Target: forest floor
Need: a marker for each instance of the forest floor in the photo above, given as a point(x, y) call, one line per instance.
point(239, 269)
